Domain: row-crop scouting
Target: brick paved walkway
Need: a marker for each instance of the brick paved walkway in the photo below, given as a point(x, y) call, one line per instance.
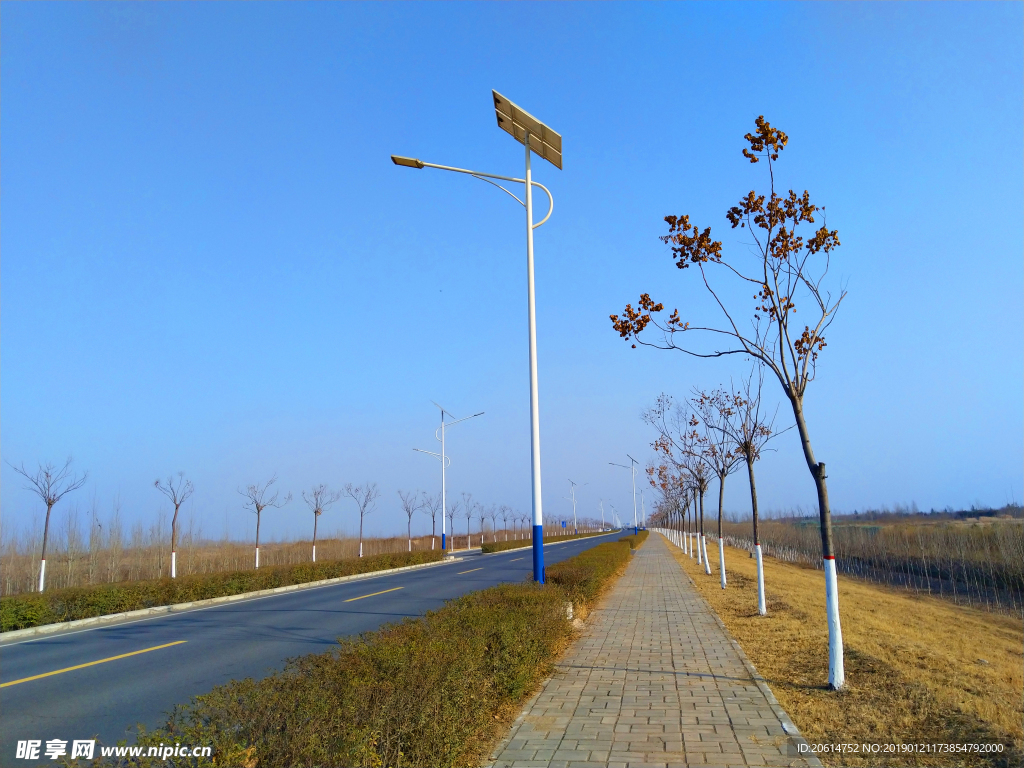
point(655, 680)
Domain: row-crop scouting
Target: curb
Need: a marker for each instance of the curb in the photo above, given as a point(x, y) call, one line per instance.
point(114, 618)
point(787, 724)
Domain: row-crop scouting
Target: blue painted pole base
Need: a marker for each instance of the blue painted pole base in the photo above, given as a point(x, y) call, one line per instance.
point(538, 554)
point(443, 537)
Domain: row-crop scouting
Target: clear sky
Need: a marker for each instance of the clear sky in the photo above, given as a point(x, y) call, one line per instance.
point(209, 263)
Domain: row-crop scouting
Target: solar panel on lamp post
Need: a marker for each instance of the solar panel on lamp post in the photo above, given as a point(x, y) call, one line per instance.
point(445, 463)
point(535, 136)
point(632, 470)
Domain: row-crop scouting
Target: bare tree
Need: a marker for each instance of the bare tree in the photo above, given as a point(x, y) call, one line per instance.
point(506, 513)
point(256, 500)
point(318, 499)
point(432, 505)
point(365, 497)
point(686, 451)
point(787, 269)
point(482, 513)
point(178, 491)
point(750, 430)
point(452, 511)
point(410, 505)
point(715, 411)
point(468, 508)
point(50, 483)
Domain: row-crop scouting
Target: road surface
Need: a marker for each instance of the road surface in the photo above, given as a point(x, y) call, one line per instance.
point(147, 666)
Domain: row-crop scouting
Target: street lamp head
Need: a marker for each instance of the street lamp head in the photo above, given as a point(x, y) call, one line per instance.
point(518, 122)
point(408, 162)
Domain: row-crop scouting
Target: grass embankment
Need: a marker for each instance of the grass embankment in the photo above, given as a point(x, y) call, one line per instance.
point(35, 609)
point(433, 691)
point(919, 670)
point(504, 546)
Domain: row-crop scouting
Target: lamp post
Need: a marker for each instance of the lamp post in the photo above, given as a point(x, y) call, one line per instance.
point(546, 143)
point(572, 491)
point(632, 471)
point(445, 463)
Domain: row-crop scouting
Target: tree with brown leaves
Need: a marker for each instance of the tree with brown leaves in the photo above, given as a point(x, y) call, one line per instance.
point(787, 268)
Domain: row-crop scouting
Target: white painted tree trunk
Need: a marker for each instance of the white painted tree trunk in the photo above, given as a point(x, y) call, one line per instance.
point(700, 553)
point(761, 608)
point(360, 549)
point(721, 560)
point(691, 546)
point(704, 547)
point(257, 557)
point(410, 545)
point(174, 565)
point(42, 574)
point(836, 672)
point(314, 553)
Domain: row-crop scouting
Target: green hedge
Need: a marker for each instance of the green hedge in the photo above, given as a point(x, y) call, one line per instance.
point(432, 691)
point(34, 609)
point(636, 540)
point(504, 546)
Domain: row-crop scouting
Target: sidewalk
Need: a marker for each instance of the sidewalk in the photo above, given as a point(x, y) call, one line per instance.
point(655, 680)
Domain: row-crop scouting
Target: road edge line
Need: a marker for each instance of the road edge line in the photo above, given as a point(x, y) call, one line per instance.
point(114, 618)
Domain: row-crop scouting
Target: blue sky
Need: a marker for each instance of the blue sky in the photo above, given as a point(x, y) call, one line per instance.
point(211, 265)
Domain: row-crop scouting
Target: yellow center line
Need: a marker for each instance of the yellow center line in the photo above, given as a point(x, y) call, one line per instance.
point(92, 663)
point(393, 589)
point(470, 571)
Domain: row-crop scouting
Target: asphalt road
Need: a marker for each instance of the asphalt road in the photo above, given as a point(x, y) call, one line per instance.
point(188, 653)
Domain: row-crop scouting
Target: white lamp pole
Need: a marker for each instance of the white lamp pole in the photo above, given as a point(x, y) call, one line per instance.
point(539, 138)
point(445, 462)
point(632, 472)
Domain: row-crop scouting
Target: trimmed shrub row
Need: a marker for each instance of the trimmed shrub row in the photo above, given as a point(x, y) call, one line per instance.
point(34, 609)
point(432, 691)
point(636, 539)
point(504, 546)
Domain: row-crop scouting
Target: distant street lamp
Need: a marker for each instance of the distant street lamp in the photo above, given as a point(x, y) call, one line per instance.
point(632, 471)
point(445, 462)
point(536, 136)
point(572, 491)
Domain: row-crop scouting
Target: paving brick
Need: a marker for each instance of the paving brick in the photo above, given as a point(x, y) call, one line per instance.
point(654, 681)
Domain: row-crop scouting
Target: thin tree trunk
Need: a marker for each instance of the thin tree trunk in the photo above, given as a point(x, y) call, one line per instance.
point(316, 519)
point(360, 533)
point(721, 543)
point(703, 538)
point(42, 556)
point(761, 605)
point(258, 538)
point(174, 542)
point(836, 671)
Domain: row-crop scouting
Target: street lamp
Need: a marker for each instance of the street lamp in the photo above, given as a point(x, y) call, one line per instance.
point(632, 471)
point(572, 490)
point(445, 462)
point(535, 136)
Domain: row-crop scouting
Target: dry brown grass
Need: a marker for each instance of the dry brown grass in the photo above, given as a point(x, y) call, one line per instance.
point(919, 670)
